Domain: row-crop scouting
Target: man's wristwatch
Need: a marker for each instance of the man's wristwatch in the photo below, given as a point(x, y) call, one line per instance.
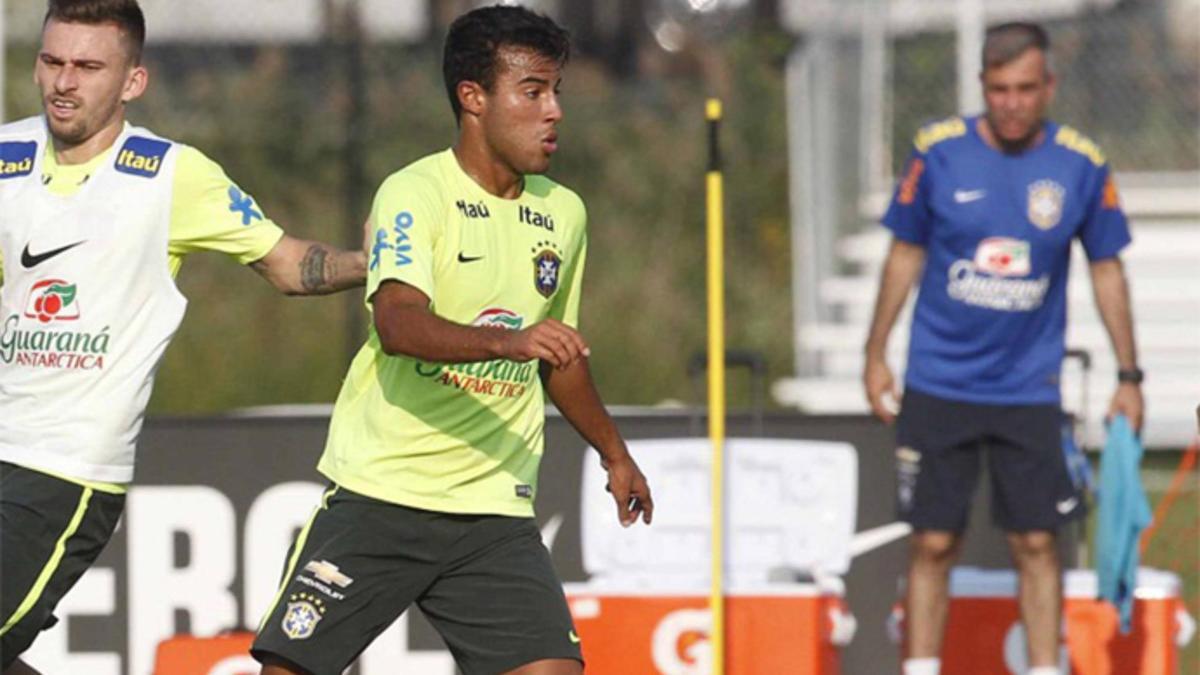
point(1131, 375)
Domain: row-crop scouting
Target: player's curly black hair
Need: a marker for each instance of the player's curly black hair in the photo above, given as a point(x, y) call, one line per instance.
point(126, 14)
point(475, 39)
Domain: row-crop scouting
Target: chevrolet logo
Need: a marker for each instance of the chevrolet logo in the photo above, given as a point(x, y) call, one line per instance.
point(328, 572)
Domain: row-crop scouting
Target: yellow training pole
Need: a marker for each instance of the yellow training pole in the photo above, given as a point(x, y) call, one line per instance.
point(716, 380)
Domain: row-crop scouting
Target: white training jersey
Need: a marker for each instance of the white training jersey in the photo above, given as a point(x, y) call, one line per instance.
point(88, 304)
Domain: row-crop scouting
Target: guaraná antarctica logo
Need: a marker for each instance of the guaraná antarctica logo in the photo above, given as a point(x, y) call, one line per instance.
point(500, 377)
point(997, 278)
point(50, 302)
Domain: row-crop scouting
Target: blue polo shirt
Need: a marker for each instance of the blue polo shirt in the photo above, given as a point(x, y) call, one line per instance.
point(997, 229)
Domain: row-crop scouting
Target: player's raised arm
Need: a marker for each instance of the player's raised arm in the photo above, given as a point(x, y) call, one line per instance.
point(210, 212)
point(302, 267)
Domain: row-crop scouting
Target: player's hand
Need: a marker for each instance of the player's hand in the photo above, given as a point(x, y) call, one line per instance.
point(881, 390)
point(629, 489)
point(550, 340)
point(1128, 401)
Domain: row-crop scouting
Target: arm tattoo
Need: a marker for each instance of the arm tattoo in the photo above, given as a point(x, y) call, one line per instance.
point(313, 276)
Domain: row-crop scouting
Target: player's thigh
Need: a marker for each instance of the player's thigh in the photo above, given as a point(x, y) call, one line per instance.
point(51, 531)
point(1032, 487)
point(937, 461)
point(500, 605)
point(353, 569)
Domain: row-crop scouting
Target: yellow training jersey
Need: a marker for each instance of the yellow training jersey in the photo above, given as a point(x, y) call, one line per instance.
point(467, 437)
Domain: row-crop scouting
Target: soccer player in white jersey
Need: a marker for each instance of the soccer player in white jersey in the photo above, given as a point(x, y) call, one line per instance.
point(95, 218)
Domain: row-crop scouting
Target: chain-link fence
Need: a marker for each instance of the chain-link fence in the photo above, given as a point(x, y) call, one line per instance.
point(1124, 78)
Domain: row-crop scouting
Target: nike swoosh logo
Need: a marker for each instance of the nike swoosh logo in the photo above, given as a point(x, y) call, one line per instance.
point(466, 259)
point(29, 260)
point(574, 637)
point(966, 196)
point(1067, 505)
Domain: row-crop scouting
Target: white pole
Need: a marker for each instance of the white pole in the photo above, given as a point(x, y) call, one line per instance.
point(3, 46)
point(801, 160)
point(874, 166)
point(970, 24)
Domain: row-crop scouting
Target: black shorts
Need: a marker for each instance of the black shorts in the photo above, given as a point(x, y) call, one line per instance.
point(51, 531)
point(939, 449)
point(485, 582)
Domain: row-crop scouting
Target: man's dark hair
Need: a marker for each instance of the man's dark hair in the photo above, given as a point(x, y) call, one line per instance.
point(475, 39)
point(126, 14)
point(1005, 42)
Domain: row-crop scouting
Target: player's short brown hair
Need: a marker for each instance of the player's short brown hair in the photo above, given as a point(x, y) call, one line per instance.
point(1005, 42)
point(126, 14)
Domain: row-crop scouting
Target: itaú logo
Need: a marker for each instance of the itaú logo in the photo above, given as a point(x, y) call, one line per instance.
point(680, 644)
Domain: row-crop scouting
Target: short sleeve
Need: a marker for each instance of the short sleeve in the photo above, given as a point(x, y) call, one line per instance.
point(908, 216)
point(407, 228)
point(209, 212)
point(565, 306)
point(1105, 230)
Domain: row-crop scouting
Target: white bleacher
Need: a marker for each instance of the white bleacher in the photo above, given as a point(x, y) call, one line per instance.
point(1163, 267)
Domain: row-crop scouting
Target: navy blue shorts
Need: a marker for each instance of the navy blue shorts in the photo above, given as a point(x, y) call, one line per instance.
point(485, 583)
point(51, 531)
point(941, 444)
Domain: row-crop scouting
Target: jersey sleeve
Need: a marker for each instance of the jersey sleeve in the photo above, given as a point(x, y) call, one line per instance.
point(565, 306)
point(1105, 230)
point(908, 216)
point(209, 212)
point(407, 228)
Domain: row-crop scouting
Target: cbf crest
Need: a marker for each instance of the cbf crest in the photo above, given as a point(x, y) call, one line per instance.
point(547, 263)
point(1045, 203)
point(304, 612)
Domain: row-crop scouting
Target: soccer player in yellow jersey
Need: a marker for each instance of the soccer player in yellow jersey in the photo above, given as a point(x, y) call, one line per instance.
point(474, 281)
point(96, 217)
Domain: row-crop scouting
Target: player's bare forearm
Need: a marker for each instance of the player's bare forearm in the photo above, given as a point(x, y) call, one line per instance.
point(407, 326)
point(900, 270)
point(573, 392)
point(300, 267)
point(1112, 301)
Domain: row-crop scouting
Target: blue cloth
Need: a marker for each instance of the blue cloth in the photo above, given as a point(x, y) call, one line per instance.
point(1124, 512)
point(997, 231)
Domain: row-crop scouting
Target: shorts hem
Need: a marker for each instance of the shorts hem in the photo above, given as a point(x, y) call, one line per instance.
point(524, 660)
point(261, 655)
point(918, 524)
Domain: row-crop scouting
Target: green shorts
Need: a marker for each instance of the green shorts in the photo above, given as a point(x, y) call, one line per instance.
point(485, 582)
point(51, 531)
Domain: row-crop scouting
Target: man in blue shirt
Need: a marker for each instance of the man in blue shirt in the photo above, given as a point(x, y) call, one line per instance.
point(984, 218)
